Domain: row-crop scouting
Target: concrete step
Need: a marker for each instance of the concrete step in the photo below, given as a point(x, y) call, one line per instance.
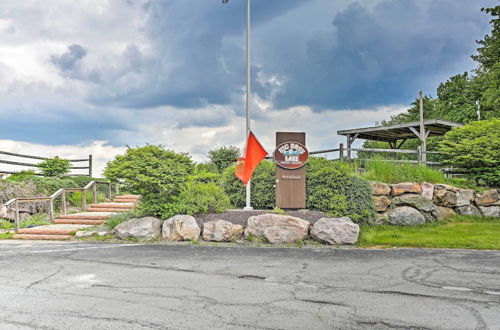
point(43, 231)
point(87, 215)
point(125, 200)
point(113, 205)
point(42, 237)
point(128, 196)
point(101, 209)
point(79, 221)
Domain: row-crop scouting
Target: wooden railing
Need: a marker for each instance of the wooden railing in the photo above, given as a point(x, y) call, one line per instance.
point(92, 185)
point(346, 153)
point(73, 167)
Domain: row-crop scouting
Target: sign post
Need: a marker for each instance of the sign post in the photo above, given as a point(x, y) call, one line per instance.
point(291, 155)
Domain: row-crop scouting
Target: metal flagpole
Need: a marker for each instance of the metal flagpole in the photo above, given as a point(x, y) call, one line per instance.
point(248, 206)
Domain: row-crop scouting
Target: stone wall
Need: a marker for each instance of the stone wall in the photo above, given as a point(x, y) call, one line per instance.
point(412, 203)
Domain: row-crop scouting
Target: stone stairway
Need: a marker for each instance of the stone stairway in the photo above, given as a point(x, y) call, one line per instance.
point(65, 225)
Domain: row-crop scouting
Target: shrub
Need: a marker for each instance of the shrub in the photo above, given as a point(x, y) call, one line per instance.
point(390, 172)
point(332, 188)
point(203, 198)
point(157, 174)
point(47, 185)
point(21, 176)
point(263, 182)
point(475, 148)
point(223, 157)
point(205, 174)
point(54, 166)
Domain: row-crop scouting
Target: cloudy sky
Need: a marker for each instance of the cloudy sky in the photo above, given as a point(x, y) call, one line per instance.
point(81, 77)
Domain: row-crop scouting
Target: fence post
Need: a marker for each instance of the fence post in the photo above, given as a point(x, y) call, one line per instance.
point(90, 166)
point(419, 154)
point(84, 199)
point(341, 151)
point(51, 210)
point(17, 216)
point(109, 191)
point(63, 201)
point(94, 192)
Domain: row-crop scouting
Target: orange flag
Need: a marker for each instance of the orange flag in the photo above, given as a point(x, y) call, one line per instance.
point(254, 154)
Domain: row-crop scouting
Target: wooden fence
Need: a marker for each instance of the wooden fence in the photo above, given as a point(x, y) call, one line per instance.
point(347, 153)
point(34, 165)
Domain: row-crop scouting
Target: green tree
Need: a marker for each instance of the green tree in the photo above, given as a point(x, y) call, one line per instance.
point(157, 174)
point(54, 166)
point(223, 157)
point(476, 148)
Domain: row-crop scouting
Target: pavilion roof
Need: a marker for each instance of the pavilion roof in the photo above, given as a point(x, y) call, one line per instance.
point(393, 133)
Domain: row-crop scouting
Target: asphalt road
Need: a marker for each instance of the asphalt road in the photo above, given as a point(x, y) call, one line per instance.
point(111, 286)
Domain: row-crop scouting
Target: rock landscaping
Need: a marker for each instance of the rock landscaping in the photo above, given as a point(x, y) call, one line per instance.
point(413, 203)
point(145, 228)
point(268, 227)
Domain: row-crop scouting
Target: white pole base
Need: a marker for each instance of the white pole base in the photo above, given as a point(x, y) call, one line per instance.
point(248, 208)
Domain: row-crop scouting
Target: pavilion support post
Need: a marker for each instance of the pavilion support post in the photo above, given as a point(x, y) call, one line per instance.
point(341, 151)
point(422, 132)
point(350, 141)
point(348, 147)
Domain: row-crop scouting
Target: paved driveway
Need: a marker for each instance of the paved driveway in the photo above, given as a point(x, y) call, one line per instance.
point(110, 286)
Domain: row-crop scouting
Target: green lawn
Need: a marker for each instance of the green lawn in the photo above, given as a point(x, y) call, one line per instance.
point(459, 232)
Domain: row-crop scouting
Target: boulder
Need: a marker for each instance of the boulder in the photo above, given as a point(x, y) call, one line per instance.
point(221, 231)
point(446, 187)
point(141, 228)
point(490, 211)
point(379, 219)
point(10, 213)
point(335, 231)
point(381, 203)
point(405, 216)
point(405, 187)
point(443, 197)
point(90, 233)
point(416, 201)
point(489, 197)
point(181, 228)
point(444, 212)
point(427, 190)
point(464, 197)
point(380, 189)
point(277, 228)
point(468, 210)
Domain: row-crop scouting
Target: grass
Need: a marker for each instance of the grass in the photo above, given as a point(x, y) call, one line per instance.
point(39, 219)
point(389, 172)
point(459, 232)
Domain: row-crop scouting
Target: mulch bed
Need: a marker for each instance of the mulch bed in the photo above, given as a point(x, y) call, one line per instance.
point(240, 217)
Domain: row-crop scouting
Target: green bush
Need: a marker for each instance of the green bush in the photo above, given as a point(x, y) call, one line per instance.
point(223, 157)
point(203, 198)
point(332, 188)
point(48, 185)
point(262, 186)
point(475, 148)
point(205, 173)
point(157, 174)
point(390, 172)
point(54, 166)
point(21, 176)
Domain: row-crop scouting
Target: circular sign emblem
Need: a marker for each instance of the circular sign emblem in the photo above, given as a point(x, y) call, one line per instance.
point(291, 155)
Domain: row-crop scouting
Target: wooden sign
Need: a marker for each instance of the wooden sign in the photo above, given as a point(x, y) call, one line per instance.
point(290, 155)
